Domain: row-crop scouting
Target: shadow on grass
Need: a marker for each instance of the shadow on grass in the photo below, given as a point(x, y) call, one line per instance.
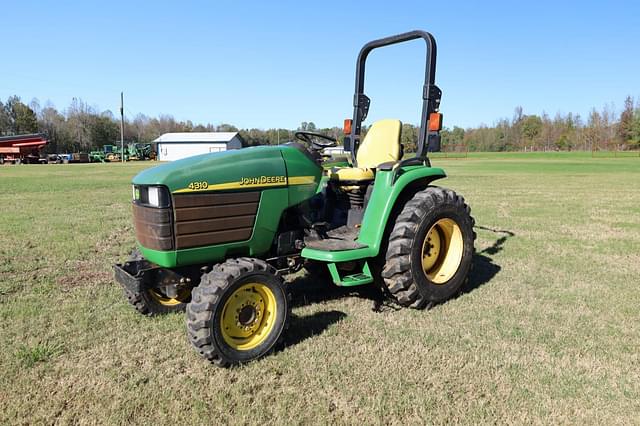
point(317, 287)
point(302, 328)
point(497, 246)
point(484, 268)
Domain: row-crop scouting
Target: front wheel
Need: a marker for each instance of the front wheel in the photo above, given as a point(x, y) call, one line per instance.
point(152, 301)
point(430, 248)
point(238, 313)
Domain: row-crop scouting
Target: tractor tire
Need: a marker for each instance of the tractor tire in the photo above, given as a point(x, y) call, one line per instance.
point(151, 302)
point(239, 312)
point(430, 249)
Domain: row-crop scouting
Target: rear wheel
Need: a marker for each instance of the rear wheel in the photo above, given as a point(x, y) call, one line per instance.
point(430, 248)
point(238, 312)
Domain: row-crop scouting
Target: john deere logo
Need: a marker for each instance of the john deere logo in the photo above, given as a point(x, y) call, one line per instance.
point(263, 180)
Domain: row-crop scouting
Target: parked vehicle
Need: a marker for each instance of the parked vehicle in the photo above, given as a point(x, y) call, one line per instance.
point(216, 232)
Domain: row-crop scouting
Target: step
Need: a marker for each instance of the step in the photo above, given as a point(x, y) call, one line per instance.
point(358, 278)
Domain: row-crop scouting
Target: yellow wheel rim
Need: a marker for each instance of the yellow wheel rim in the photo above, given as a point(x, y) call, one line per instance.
point(248, 316)
point(162, 299)
point(442, 251)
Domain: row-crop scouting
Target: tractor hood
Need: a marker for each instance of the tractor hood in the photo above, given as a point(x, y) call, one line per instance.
point(220, 203)
point(261, 167)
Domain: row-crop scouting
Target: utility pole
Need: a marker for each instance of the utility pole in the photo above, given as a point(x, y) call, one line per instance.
point(122, 126)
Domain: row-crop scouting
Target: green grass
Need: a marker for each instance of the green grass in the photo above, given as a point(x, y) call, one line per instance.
point(41, 352)
point(547, 332)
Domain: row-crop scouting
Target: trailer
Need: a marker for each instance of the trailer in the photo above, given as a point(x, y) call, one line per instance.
point(22, 148)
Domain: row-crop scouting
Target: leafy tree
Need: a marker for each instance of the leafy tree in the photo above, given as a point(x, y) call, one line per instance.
point(635, 129)
point(531, 127)
point(53, 124)
point(307, 126)
point(563, 143)
point(22, 119)
point(593, 133)
point(5, 120)
point(452, 137)
point(626, 124)
point(104, 130)
point(409, 137)
point(516, 124)
point(226, 128)
point(81, 128)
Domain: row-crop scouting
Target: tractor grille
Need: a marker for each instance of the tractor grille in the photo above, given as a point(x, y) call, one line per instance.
point(198, 220)
point(208, 219)
point(153, 227)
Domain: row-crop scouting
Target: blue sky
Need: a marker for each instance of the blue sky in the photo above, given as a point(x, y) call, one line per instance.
point(256, 64)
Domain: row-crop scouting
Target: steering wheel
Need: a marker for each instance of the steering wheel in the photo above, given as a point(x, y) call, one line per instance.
point(317, 141)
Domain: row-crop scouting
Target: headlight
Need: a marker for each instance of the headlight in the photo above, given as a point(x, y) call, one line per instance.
point(153, 196)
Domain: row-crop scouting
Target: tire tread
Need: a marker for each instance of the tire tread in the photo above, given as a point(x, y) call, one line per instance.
point(396, 271)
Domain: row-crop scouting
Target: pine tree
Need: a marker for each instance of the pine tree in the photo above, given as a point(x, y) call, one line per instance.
point(625, 126)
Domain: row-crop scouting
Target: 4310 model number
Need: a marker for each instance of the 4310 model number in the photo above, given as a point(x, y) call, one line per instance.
point(195, 186)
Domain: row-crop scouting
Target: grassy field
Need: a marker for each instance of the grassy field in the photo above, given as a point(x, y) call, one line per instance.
point(546, 332)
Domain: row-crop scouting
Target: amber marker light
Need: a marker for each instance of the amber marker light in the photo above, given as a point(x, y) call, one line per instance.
point(347, 126)
point(435, 122)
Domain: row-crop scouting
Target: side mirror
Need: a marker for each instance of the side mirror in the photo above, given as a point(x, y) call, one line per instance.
point(433, 142)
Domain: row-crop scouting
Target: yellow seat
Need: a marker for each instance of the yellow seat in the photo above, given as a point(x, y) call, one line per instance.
point(352, 173)
point(380, 145)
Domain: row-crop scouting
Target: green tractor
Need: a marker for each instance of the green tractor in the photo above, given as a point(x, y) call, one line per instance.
point(97, 157)
point(112, 153)
point(217, 232)
point(132, 152)
point(139, 152)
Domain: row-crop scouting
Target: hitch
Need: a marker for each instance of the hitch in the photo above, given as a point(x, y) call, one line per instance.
point(137, 275)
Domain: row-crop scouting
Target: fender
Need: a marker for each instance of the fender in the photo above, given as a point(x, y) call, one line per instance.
point(388, 187)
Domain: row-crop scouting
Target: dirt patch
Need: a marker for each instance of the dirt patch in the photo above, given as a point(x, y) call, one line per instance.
point(83, 273)
point(96, 270)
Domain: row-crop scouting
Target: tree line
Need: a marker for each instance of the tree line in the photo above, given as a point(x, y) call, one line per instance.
point(82, 128)
point(603, 129)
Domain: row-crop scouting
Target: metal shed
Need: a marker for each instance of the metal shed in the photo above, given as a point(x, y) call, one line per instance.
point(174, 146)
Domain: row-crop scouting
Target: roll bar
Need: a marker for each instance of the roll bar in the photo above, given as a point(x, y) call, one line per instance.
point(431, 94)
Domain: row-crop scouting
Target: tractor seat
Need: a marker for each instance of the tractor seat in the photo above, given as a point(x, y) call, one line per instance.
point(381, 144)
point(351, 174)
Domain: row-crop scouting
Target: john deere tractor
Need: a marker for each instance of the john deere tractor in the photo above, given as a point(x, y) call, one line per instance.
point(217, 232)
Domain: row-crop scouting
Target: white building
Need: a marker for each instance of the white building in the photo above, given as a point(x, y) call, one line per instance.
point(174, 146)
